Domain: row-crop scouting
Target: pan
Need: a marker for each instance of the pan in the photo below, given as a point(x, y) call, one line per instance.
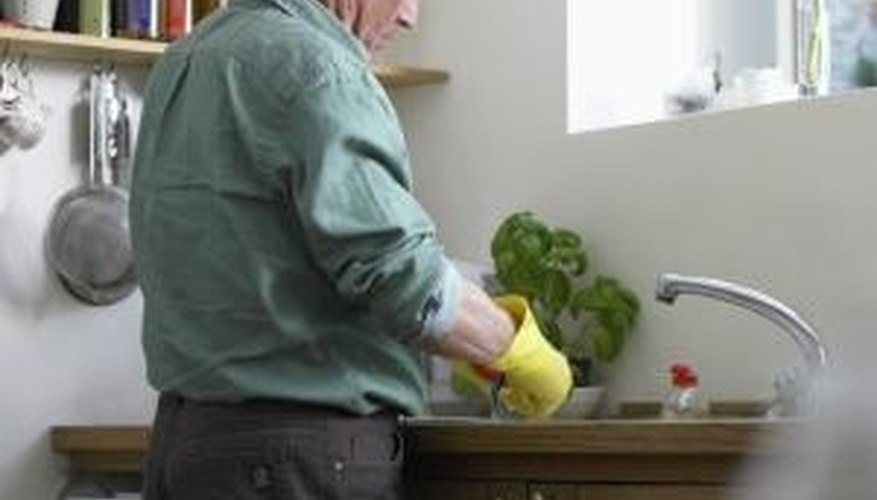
point(88, 242)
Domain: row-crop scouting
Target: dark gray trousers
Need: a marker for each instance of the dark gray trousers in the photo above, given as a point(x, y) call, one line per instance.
point(269, 450)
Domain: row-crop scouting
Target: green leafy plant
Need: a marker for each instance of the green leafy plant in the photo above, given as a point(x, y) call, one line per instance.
point(549, 266)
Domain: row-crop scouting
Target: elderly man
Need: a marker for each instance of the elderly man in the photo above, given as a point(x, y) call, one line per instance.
point(291, 281)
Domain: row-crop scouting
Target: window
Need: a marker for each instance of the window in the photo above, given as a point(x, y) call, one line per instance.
point(623, 56)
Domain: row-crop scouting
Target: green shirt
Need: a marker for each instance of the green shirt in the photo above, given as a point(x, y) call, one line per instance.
point(280, 251)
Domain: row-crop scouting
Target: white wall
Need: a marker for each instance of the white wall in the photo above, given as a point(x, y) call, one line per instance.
point(60, 362)
point(779, 198)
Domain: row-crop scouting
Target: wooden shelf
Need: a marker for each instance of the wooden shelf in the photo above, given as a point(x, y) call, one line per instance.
point(392, 75)
point(80, 47)
point(102, 449)
point(144, 53)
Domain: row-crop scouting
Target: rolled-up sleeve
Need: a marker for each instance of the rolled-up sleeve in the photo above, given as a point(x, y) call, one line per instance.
point(350, 187)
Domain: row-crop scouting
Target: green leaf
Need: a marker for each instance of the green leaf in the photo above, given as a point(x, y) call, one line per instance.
point(586, 299)
point(620, 300)
point(572, 261)
point(614, 321)
point(606, 348)
point(567, 253)
point(518, 248)
point(525, 279)
point(564, 238)
point(522, 235)
point(630, 299)
point(556, 291)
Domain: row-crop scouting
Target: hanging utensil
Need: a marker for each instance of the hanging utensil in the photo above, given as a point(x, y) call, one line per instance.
point(88, 242)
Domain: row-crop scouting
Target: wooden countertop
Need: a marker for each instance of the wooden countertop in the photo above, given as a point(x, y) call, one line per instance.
point(119, 449)
point(644, 452)
point(612, 437)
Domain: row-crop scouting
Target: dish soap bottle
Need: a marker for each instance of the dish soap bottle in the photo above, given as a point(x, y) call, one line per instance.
point(683, 401)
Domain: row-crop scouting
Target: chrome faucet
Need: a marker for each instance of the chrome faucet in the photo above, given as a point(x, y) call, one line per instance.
point(793, 387)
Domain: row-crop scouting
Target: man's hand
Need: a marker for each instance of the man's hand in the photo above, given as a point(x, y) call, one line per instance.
point(537, 376)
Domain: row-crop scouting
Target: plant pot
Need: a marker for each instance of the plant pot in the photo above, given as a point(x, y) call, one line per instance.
point(583, 402)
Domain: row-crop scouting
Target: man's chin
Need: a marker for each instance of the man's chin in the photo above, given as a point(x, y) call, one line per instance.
point(379, 43)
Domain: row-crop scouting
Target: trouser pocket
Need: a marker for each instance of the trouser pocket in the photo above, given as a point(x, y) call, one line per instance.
point(367, 461)
point(259, 465)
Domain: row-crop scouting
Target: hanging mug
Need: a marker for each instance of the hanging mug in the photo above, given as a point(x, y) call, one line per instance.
point(22, 116)
point(11, 100)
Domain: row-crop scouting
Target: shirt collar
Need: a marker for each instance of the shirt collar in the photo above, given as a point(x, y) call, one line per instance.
point(316, 14)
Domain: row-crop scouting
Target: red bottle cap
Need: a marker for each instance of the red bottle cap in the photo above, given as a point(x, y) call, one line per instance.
point(683, 376)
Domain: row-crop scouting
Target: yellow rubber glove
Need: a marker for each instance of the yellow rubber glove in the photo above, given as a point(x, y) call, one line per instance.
point(537, 376)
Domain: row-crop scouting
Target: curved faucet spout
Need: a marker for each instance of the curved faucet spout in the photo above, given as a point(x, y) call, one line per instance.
point(672, 285)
